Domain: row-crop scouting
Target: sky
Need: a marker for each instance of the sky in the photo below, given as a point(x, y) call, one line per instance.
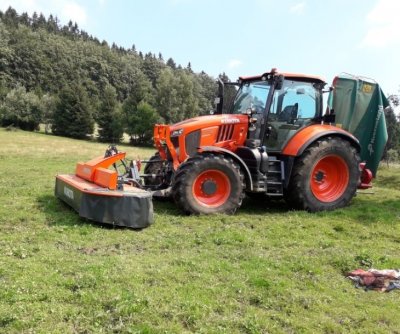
point(247, 37)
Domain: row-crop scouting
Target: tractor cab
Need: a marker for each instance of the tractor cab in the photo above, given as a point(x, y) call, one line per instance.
point(279, 105)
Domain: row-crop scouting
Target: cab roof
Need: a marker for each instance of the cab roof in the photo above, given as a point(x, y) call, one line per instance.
point(294, 76)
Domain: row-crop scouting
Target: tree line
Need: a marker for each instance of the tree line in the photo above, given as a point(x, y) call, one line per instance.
point(68, 80)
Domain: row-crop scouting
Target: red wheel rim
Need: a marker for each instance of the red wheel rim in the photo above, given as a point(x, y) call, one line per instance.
point(211, 188)
point(329, 178)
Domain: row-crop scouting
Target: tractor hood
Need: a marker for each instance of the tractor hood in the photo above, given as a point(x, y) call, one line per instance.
point(186, 138)
point(209, 120)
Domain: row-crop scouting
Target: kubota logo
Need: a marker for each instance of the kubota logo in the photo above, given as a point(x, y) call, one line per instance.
point(230, 120)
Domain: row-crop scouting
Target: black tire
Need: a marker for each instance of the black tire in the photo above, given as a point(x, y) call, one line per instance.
point(208, 183)
point(325, 176)
point(153, 168)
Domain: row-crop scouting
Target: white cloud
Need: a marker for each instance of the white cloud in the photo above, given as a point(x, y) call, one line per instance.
point(20, 5)
point(234, 63)
point(383, 24)
point(74, 12)
point(298, 8)
point(65, 10)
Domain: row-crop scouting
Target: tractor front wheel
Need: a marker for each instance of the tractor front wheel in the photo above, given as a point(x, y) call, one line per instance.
point(208, 183)
point(153, 167)
point(325, 176)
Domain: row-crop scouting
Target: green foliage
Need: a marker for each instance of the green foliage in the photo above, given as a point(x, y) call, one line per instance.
point(21, 109)
point(393, 155)
point(48, 105)
point(209, 91)
point(6, 53)
point(229, 93)
point(140, 122)
point(177, 95)
point(109, 117)
point(151, 66)
point(73, 114)
point(44, 57)
point(393, 128)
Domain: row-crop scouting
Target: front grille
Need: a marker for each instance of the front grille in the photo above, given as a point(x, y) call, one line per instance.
point(225, 132)
point(192, 142)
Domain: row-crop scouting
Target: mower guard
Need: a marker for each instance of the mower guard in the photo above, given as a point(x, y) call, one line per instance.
point(94, 194)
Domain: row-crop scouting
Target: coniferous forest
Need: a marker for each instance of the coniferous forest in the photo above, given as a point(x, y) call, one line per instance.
point(69, 81)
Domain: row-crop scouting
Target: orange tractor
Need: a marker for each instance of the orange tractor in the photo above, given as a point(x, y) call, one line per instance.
point(272, 140)
point(275, 141)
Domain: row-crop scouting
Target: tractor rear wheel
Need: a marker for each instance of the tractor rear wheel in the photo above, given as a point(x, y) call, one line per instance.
point(208, 183)
point(325, 176)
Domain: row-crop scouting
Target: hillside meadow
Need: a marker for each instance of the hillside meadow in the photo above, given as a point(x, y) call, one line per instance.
point(266, 269)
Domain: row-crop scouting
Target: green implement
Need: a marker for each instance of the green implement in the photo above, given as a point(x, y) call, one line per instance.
point(359, 104)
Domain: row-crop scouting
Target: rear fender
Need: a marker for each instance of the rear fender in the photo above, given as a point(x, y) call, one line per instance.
point(307, 136)
point(236, 158)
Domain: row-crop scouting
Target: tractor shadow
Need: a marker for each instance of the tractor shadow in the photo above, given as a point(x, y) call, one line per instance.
point(256, 206)
point(260, 205)
point(59, 213)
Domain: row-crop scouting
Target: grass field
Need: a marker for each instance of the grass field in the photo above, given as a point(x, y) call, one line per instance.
point(264, 270)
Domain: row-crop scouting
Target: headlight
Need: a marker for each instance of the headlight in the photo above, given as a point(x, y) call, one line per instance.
point(176, 133)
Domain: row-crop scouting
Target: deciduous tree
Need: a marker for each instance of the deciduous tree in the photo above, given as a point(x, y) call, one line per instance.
point(21, 109)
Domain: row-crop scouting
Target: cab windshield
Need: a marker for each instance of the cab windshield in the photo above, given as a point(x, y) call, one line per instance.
point(251, 95)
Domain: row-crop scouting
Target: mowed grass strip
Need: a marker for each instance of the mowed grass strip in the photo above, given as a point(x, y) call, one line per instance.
point(266, 269)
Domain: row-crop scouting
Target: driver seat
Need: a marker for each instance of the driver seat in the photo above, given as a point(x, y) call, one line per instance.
point(288, 113)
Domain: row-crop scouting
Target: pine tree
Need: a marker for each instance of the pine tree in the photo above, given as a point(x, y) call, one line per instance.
point(171, 63)
point(109, 117)
point(73, 115)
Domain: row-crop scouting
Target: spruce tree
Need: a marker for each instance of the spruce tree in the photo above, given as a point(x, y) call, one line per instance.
point(109, 117)
point(73, 115)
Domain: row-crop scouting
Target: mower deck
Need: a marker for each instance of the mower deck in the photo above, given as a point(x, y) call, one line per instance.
point(131, 207)
point(94, 194)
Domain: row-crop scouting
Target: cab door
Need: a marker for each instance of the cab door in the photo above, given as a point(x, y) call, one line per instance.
point(294, 107)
